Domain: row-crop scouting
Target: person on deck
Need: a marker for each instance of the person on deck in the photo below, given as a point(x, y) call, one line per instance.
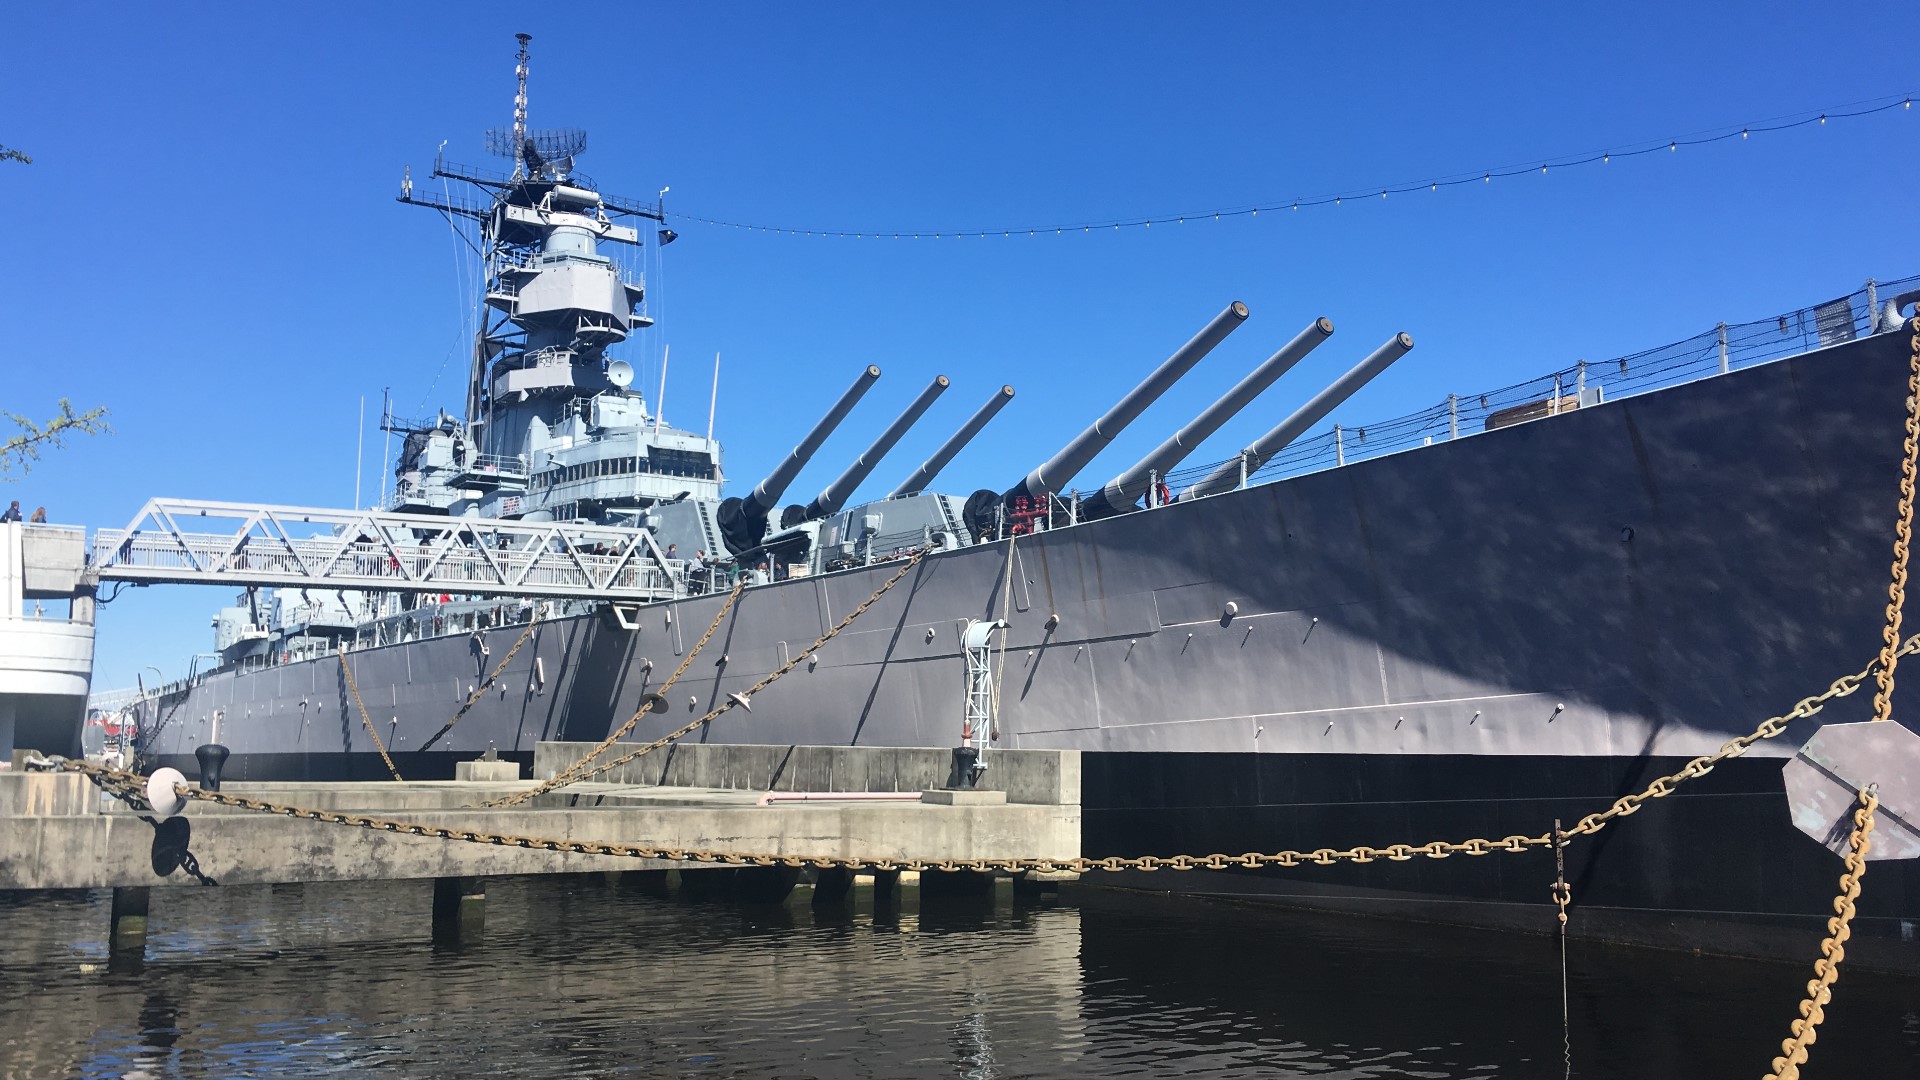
point(12, 513)
point(39, 517)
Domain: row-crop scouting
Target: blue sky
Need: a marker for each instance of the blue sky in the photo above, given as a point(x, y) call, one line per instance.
point(207, 241)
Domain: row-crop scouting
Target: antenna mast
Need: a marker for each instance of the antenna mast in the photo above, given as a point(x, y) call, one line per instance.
point(520, 105)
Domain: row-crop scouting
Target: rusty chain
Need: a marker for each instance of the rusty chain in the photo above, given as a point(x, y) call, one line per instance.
point(479, 691)
point(364, 718)
point(574, 772)
point(574, 775)
point(133, 782)
point(1902, 535)
point(1833, 949)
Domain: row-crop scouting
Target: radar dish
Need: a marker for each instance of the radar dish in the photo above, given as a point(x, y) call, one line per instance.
point(620, 374)
point(550, 144)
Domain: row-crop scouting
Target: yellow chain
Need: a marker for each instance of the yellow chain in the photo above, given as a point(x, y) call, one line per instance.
point(1902, 535)
point(562, 779)
point(364, 718)
point(570, 774)
point(486, 683)
point(1826, 970)
point(133, 783)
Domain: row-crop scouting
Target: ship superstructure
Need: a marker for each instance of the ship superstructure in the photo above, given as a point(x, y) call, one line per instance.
point(555, 429)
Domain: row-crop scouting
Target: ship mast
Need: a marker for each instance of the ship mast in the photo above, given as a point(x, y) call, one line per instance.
point(520, 101)
point(552, 304)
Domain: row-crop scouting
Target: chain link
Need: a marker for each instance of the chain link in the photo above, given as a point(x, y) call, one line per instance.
point(1902, 534)
point(1833, 949)
point(479, 691)
point(364, 718)
point(577, 771)
point(132, 783)
point(726, 706)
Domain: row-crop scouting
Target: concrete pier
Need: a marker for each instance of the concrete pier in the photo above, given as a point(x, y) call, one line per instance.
point(459, 908)
point(127, 929)
point(58, 832)
point(832, 886)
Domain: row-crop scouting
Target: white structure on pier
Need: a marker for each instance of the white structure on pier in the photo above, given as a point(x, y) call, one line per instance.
point(46, 656)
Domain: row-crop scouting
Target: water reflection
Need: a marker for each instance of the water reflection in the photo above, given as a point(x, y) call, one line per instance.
point(579, 977)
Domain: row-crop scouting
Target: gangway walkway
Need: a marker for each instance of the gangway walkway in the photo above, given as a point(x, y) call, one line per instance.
point(195, 542)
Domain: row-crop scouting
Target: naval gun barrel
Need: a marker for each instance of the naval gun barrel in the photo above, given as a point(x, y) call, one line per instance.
point(924, 475)
point(1124, 490)
point(835, 494)
point(1227, 476)
point(766, 494)
point(1050, 477)
point(743, 522)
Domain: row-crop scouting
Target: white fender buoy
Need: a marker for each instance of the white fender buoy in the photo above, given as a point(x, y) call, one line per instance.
point(167, 802)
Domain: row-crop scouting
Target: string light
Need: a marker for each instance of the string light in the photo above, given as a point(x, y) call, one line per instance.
point(1743, 132)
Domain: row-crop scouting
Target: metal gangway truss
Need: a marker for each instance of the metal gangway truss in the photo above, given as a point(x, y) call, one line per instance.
point(187, 541)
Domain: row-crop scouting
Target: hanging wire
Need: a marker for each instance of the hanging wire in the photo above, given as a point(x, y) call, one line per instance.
point(1537, 167)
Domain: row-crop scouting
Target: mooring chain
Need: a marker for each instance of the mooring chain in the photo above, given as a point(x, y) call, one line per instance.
point(1793, 1051)
point(573, 774)
point(1772, 728)
point(364, 718)
point(1902, 534)
point(486, 684)
point(1438, 849)
point(1833, 949)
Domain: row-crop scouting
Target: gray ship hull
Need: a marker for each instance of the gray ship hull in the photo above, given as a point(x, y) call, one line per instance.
point(1468, 639)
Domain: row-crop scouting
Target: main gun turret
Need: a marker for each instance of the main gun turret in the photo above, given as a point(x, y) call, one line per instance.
point(835, 494)
point(1050, 477)
point(1227, 476)
point(917, 483)
point(1061, 467)
point(1121, 492)
point(743, 522)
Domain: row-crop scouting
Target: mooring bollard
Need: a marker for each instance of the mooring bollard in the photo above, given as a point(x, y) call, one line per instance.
point(212, 757)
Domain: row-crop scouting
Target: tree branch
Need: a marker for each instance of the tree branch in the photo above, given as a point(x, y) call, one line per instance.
point(23, 449)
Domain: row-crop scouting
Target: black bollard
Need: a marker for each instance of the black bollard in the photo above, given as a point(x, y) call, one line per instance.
point(966, 768)
point(211, 756)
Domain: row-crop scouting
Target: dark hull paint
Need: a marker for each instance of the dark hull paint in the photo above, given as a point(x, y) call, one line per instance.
point(1717, 867)
point(1464, 640)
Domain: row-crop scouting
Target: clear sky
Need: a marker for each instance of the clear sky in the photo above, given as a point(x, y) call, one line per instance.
point(207, 240)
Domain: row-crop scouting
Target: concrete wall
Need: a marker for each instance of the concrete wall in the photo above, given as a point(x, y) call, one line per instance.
point(110, 850)
point(1049, 777)
point(32, 793)
point(52, 558)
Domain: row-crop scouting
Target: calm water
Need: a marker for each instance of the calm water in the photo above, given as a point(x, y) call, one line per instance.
point(577, 978)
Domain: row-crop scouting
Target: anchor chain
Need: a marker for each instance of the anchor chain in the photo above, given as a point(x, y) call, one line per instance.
point(573, 774)
point(1833, 949)
point(123, 781)
point(569, 774)
point(487, 683)
point(364, 718)
point(1902, 534)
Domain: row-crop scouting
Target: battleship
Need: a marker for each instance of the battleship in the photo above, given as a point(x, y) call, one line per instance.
point(1505, 611)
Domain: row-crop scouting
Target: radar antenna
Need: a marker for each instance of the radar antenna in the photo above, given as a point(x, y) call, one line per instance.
point(536, 155)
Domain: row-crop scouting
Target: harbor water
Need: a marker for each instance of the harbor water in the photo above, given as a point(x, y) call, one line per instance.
point(586, 976)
